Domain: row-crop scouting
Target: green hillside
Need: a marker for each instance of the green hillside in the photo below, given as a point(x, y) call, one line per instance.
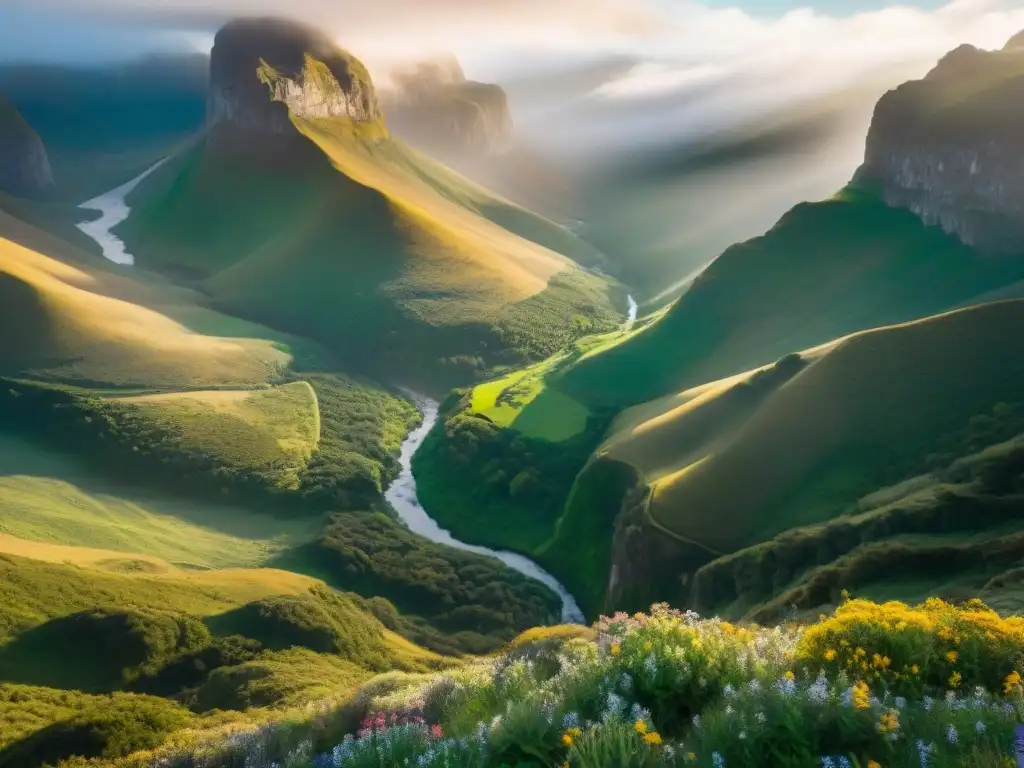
point(814, 437)
point(353, 239)
point(875, 402)
point(825, 270)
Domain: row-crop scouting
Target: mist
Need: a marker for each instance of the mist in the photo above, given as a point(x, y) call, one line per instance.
point(674, 129)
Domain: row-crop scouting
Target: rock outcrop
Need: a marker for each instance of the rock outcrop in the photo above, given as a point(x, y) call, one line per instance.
point(950, 147)
point(262, 69)
point(24, 167)
point(435, 107)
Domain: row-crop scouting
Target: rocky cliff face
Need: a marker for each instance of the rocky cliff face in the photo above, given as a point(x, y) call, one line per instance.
point(434, 106)
point(950, 147)
point(24, 167)
point(262, 69)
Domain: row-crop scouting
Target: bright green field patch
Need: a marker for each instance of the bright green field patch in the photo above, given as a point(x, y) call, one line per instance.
point(523, 401)
point(50, 498)
point(552, 416)
point(274, 429)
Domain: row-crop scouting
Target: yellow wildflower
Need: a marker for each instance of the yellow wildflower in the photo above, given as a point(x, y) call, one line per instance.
point(789, 675)
point(1012, 683)
point(952, 656)
point(914, 669)
point(691, 756)
point(873, 764)
point(615, 649)
point(861, 695)
point(889, 722)
point(567, 739)
point(830, 654)
point(640, 726)
point(954, 679)
point(653, 738)
point(860, 652)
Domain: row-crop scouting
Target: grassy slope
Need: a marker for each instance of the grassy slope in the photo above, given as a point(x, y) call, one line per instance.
point(954, 531)
point(54, 499)
point(72, 323)
point(277, 429)
point(820, 436)
point(404, 262)
point(825, 270)
point(35, 596)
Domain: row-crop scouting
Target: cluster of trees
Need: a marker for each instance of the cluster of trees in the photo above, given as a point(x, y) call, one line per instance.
point(446, 599)
point(522, 482)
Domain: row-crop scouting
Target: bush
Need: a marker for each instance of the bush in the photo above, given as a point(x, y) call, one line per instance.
point(100, 650)
point(321, 620)
point(193, 668)
point(930, 648)
point(116, 727)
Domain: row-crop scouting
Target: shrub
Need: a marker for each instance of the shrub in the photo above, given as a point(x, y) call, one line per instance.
point(100, 650)
point(321, 620)
point(119, 726)
point(928, 648)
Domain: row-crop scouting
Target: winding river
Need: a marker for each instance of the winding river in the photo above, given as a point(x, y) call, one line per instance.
point(114, 210)
point(402, 493)
point(402, 496)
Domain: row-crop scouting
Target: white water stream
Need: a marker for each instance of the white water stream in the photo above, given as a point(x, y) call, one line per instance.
point(402, 496)
point(115, 210)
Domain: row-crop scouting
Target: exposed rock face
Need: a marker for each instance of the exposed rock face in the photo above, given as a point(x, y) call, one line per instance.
point(24, 167)
point(260, 69)
point(950, 147)
point(434, 106)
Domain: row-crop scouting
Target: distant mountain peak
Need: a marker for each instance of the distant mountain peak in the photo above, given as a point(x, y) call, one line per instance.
point(263, 68)
point(1015, 43)
point(949, 147)
point(24, 165)
point(434, 106)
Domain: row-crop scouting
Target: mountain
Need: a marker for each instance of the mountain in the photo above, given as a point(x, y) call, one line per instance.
point(434, 107)
point(813, 438)
point(299, 210)
point(948, 147)
point(24, 166)
point(617, 438)
point(899, 243)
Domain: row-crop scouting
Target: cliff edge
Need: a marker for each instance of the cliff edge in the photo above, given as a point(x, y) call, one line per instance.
point(24, 166)
point(950, 147)
point(262, 69)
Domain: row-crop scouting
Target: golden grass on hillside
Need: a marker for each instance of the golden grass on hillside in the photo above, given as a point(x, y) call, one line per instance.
point(524, 267)
point(102, 559)
point(723, 458)
point(60, 321)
